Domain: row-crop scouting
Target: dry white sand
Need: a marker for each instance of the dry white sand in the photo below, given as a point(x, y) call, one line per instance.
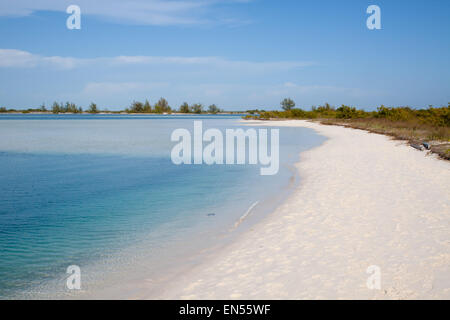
point(363, 200)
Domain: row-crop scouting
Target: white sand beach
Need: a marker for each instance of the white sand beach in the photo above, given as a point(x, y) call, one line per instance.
point(363, 200)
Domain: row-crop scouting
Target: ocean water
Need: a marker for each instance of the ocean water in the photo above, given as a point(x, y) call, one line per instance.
point(100, 192)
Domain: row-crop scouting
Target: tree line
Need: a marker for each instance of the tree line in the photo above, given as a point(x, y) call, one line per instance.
point(436, 116)
point(161, 106)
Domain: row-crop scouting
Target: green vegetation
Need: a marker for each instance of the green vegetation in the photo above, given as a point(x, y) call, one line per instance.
point(147, 107)
point(136, 107)
point(439, 117)
point(66, 108)
point(255, 111)
point(160, 107)
point(287, 104)
point(184, 108)
point(213, 109)
point(415, 125)
point(197, 108)
point(41, 109)
point(93, 108)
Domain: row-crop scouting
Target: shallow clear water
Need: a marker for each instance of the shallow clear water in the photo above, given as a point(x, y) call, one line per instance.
point(101, 192)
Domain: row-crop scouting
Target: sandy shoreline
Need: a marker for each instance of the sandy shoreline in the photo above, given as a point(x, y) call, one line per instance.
point(363, 200)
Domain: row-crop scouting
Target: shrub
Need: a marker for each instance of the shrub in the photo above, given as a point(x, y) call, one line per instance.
point(346, 112)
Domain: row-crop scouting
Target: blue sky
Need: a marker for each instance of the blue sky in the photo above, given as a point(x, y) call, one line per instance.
point(238, 54)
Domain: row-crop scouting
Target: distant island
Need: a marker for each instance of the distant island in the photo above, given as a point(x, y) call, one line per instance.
point(136, 107)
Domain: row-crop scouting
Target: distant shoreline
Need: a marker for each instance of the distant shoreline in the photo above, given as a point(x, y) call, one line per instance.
point(129, 113)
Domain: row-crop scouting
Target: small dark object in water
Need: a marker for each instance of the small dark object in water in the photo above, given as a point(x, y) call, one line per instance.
point(426, 145)
point(211, 214)
point(417, 146)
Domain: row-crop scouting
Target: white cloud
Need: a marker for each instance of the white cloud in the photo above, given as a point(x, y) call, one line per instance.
point(24, 59)
point(16, 58)
point(145, 12)
point(12, 58)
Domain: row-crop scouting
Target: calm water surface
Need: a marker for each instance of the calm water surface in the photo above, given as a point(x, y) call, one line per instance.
point(100, 192)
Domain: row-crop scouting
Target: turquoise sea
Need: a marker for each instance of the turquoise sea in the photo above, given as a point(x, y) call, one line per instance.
point(100, 192)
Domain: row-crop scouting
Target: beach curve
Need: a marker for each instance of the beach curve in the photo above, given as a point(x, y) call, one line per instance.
point(364, 200)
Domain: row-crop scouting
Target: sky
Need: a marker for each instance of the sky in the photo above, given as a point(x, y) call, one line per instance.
point(237, 54)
